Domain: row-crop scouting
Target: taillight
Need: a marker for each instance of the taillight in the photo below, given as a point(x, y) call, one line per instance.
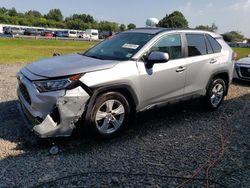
point(234, 56)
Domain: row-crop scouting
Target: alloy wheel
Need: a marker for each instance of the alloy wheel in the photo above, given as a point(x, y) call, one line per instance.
point(110, 116)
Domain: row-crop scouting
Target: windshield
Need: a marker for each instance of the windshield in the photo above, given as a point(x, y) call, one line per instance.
point(120, 47)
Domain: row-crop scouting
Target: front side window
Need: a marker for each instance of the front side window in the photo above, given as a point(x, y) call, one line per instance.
point(120, 47)
point(170, 44)
point(196, 45)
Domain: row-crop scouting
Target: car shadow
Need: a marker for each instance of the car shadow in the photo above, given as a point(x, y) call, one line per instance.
point(238, 82)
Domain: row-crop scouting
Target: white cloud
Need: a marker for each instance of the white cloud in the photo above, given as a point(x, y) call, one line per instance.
point(201, 12)
point(241, 6)
point(210, 5)
point(188, 7)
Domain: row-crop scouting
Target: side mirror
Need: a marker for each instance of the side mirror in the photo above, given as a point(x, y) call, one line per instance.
point(156, 57)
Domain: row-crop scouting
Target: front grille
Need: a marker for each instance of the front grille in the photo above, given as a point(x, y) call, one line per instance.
point(24, 92)
point(245, 72)
point(34, 121)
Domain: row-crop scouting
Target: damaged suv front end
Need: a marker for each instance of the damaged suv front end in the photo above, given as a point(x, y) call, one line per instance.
point(53, 106)
point(55, 93)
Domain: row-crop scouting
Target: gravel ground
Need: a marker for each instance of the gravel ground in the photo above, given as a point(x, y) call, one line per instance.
point(179, 145)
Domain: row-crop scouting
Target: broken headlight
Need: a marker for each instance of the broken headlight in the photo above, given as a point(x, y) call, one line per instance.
point(52, 85)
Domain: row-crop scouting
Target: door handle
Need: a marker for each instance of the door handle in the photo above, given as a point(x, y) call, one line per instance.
point(212, 61)
point(181, 69)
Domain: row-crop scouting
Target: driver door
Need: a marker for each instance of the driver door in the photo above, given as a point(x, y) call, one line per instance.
point(165, 81)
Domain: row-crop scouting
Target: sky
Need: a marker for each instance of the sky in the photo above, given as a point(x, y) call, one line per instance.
point(228, 15)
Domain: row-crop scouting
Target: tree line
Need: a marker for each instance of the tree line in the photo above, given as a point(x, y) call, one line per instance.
point(55, 19)
point(178, 20)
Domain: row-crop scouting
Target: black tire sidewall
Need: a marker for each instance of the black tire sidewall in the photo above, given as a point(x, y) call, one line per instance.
point(209, 93)
point(99, 101)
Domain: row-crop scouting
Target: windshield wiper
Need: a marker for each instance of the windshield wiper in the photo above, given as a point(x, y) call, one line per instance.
point(93, 56)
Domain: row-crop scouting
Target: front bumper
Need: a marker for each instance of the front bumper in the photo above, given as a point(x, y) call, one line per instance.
point(51, 114)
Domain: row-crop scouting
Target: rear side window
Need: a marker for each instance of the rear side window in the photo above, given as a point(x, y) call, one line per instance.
point(209, 47)
point(196, 45)
point(215, 45)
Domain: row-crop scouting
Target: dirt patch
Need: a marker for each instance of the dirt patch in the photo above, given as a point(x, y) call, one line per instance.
point(177, 145)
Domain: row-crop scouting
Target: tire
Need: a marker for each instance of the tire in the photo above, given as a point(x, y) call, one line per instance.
point(109, 116)
point(215, 94)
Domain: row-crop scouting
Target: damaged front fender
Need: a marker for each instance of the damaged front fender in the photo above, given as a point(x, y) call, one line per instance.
point(70, 108)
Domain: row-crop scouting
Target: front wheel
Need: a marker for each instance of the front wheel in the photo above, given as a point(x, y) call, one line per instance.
point(215, 94)
point(109, 115)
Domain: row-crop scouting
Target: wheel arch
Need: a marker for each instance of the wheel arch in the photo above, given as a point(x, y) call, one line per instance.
point(124, 89)
point(223, 75)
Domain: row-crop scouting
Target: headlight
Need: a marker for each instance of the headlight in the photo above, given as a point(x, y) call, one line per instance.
point(52, 85)
point(236, 64)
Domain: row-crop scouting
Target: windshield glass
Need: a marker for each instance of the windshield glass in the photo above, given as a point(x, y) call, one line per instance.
point(120, 47)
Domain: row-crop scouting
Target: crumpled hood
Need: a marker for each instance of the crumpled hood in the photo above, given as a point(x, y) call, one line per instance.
point(68, 65)
point(245, 60)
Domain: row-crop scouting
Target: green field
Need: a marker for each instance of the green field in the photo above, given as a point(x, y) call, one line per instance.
point(28, 50)
point(242, 52)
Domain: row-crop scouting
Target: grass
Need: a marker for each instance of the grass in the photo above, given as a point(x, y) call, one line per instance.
point(28, 50)
point(242, 52)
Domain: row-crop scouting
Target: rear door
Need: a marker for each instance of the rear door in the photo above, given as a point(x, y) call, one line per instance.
point(202, 60)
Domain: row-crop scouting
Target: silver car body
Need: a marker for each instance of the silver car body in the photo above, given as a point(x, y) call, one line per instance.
point(175, 80)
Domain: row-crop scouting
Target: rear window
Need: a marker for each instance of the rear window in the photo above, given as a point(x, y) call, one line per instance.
point(196, 45)
point(214, 44)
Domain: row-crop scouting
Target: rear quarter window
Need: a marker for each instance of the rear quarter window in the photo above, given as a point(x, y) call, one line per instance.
point(214, 44)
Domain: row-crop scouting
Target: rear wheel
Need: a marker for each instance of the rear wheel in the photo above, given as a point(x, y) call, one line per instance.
point(109, 115)
point(215, 93)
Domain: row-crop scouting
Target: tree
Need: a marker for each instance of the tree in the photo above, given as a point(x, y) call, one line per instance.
point(233, 36)
point(131, 26)
point(75, 24)
point(81, 22)
point(12, 12)
point(55, 14)
point(122, 27)
point(108, 26)
point(212, 28)
point(54, 19)
point(33, 13)
point(86, 18)
point(174, 20)
point(3, 10)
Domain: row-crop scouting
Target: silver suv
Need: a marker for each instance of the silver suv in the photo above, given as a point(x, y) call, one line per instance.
point(133, 71)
